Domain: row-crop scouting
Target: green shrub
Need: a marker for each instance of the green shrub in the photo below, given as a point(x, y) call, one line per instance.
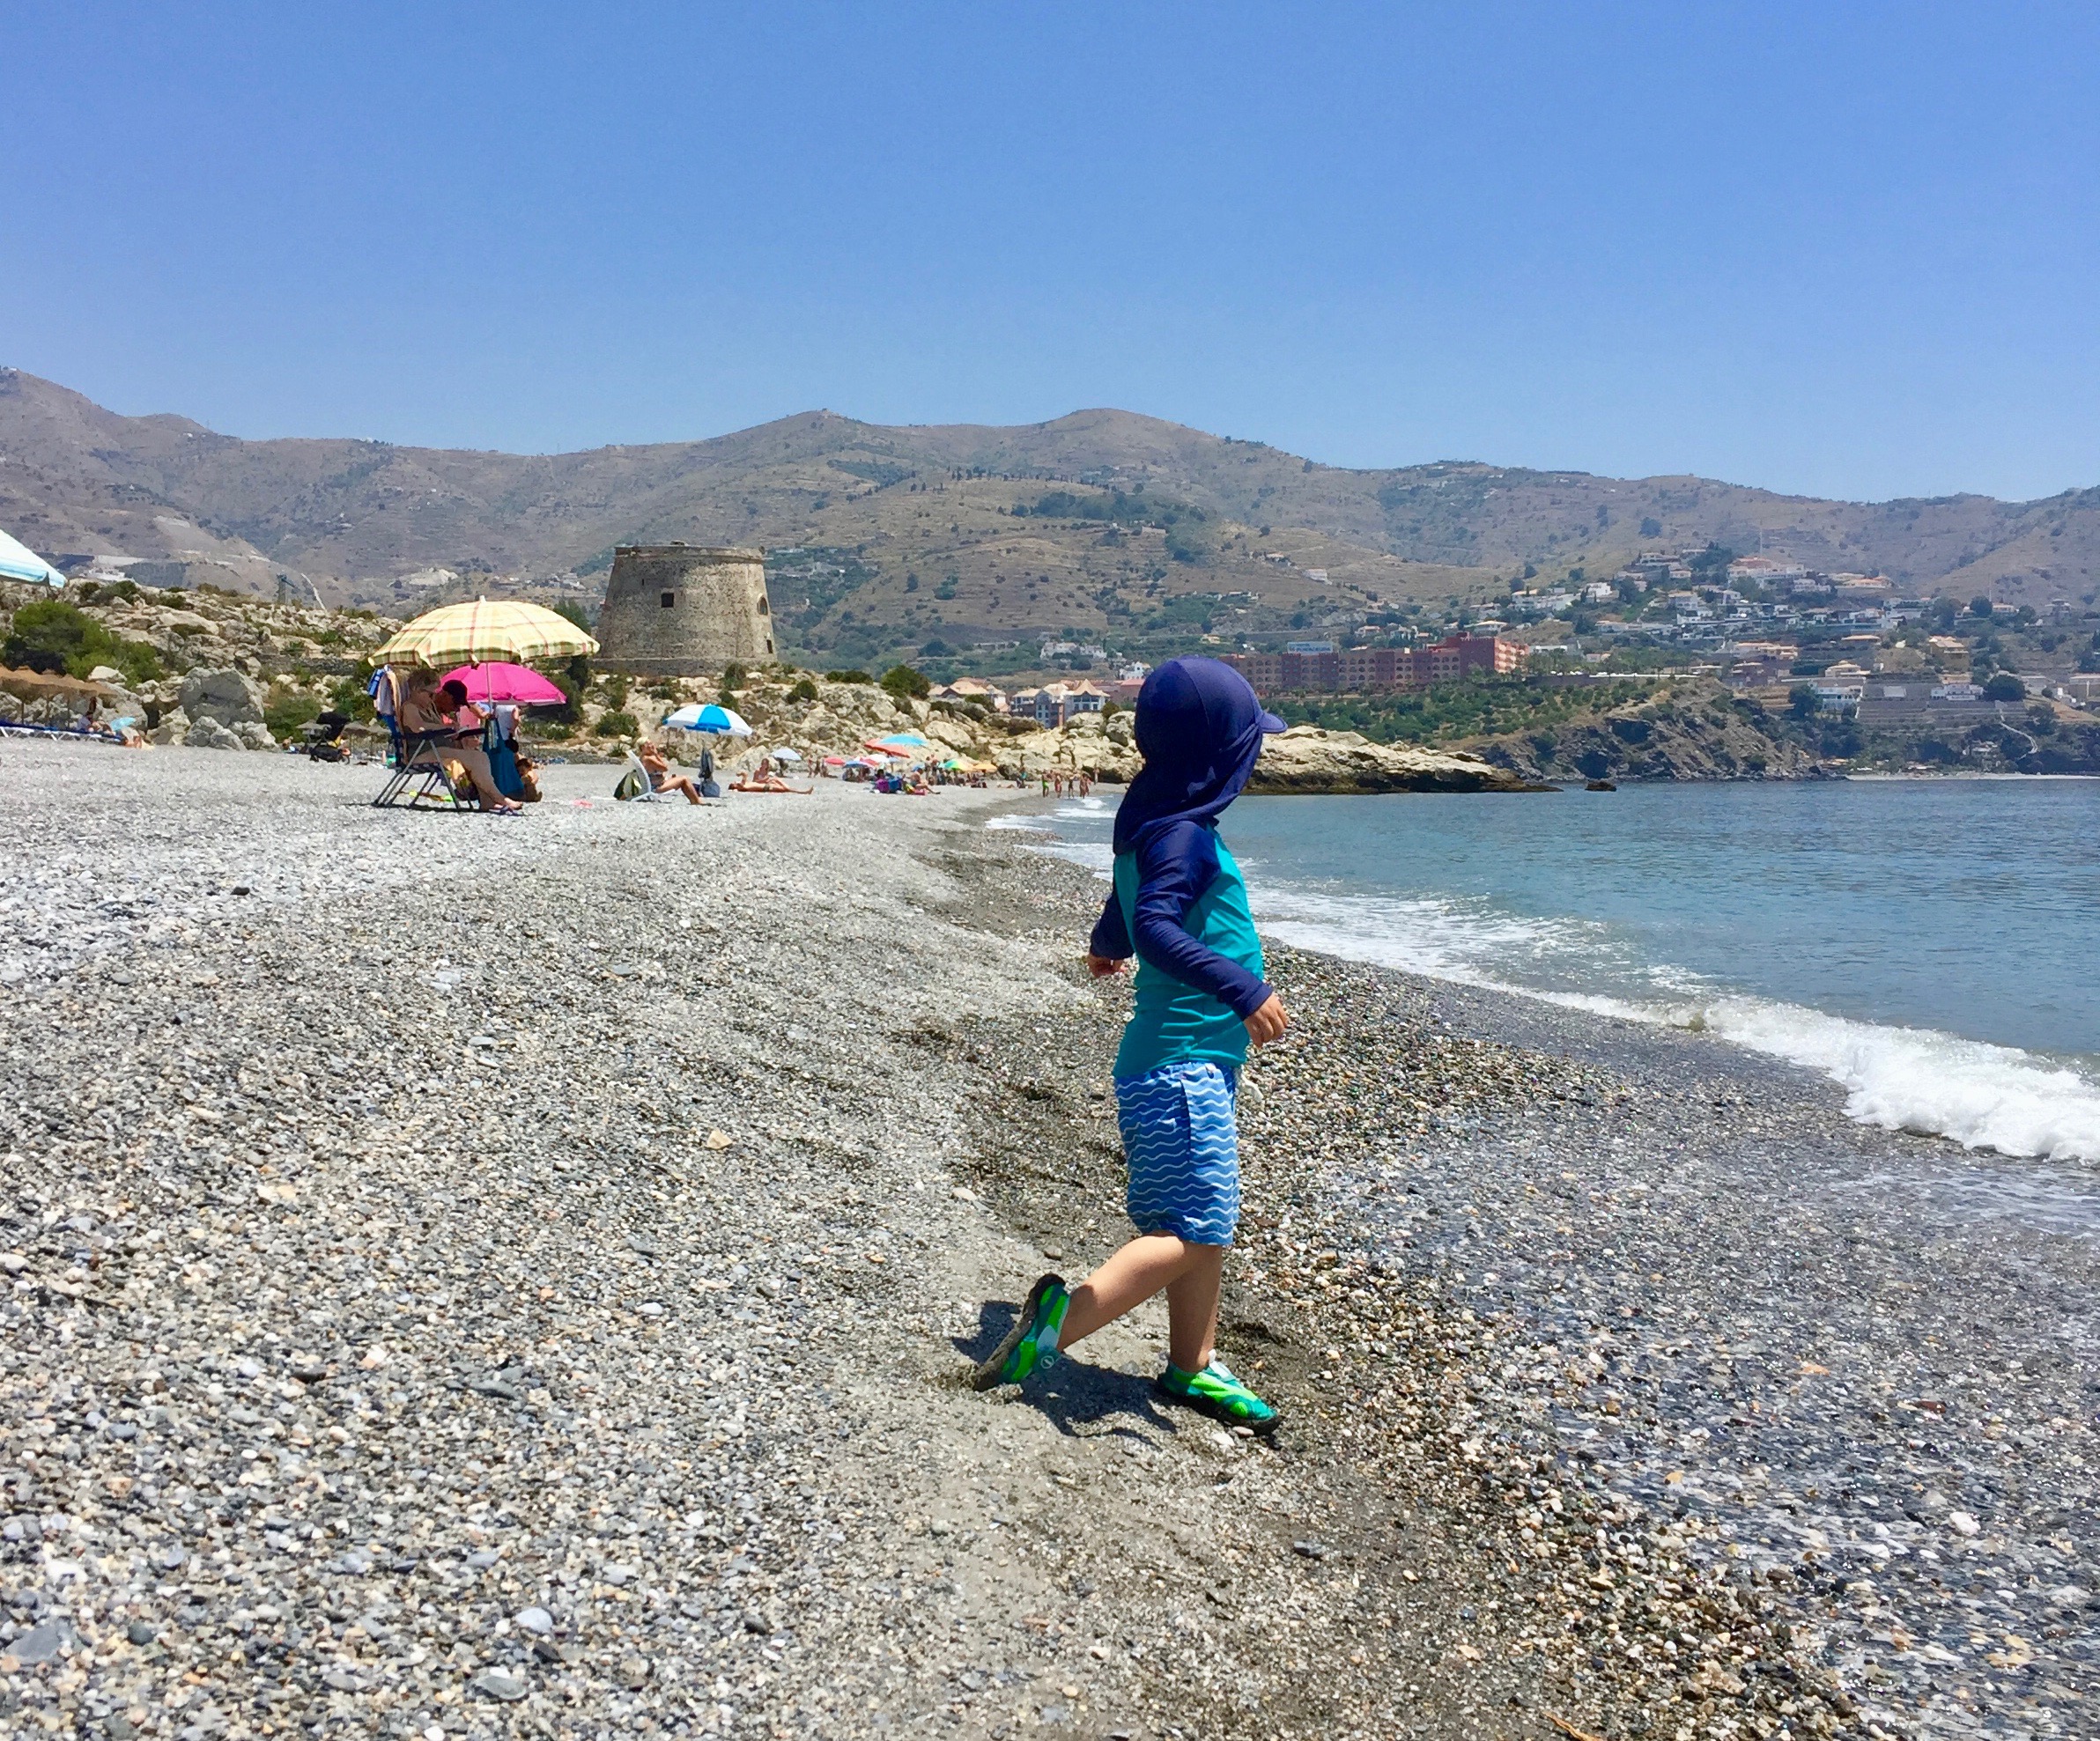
point(616, 690)
point(287, 711)
point(346, 695)
point(2005, 687)
point(803, 690)
point(51, 631)
point(618, 724)
point(905, 683)
point(734, 676)
point(847, 677)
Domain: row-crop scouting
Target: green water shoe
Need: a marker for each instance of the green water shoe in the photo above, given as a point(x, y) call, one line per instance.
point(1216, 1392)
point(1032, 1342)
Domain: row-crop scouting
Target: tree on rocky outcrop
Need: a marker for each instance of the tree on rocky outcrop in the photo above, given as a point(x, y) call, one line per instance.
point(52, 635)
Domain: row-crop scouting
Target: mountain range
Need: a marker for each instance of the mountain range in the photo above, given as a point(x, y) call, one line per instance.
point(1100, 525)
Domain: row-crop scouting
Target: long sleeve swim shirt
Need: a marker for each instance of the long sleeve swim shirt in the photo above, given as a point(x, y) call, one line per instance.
point(1180, 906)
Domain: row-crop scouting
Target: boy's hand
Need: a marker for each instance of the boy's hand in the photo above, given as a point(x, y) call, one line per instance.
point(1269, 1022)
point(1102, 968)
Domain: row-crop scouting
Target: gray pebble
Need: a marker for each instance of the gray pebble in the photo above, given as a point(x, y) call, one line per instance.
point(502, 1684)
point(43, 1643)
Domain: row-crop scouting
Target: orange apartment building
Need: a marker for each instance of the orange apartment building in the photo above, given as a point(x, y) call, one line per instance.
point(1369, 669)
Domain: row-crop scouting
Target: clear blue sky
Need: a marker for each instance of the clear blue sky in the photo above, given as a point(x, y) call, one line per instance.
point(1843, 249)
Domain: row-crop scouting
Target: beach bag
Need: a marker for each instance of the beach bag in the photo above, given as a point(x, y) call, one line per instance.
point(502, 765)
point(630, 787)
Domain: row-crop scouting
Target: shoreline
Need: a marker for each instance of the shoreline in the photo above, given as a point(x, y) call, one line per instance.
point(1590, 1370)
point(394, 1343)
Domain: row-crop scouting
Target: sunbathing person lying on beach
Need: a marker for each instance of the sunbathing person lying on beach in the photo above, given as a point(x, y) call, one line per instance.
point(762, 778)
point(1180, 906)
point(660, 777)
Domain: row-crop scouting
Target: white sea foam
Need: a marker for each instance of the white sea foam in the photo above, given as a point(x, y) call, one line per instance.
point(1911, 1079)
point(1095, 855)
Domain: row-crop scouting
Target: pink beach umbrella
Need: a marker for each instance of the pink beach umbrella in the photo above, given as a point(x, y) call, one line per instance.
point(497, 681)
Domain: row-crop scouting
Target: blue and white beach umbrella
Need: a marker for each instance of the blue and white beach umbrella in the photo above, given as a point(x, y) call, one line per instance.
point(18, 562)
point(713, 718)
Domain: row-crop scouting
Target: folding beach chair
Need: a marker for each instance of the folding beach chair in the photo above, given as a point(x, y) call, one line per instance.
point(418, 777)
point(649, 794)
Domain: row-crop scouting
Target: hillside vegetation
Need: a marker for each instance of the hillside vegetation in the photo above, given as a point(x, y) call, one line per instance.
point(1099, 526)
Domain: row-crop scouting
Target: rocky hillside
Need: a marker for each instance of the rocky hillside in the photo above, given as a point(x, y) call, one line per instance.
point(1692, 729)
point(1102, 523)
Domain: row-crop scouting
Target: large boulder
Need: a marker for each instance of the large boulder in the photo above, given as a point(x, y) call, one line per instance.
point(208, 733)
point(1306, 759)
point(228, 696)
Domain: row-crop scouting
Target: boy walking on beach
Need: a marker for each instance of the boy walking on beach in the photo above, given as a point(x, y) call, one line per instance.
point(1180, 907)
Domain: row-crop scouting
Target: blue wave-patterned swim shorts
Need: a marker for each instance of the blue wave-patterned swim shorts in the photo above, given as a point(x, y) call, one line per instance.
point(1181, 1137)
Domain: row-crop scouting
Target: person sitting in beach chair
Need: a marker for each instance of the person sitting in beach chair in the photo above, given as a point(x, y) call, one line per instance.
point(656, 769)
point(431, 737)
point(418, 772)
point(468, 747)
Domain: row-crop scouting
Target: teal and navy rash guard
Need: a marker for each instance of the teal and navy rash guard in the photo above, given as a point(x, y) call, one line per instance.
point(1180, 906)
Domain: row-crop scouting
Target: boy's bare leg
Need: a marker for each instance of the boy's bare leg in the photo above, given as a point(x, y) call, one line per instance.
point(1191, 1307)
point(1130, 1277)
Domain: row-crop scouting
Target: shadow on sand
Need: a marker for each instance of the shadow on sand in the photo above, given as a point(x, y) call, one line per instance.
point(1075, 1394)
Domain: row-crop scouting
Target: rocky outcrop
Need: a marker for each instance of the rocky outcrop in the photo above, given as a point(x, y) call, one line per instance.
point(208, 733)
point(1102, 746)
point(230, 697)
point(1303, 760)
point(1307, 760)
point(1691, 731)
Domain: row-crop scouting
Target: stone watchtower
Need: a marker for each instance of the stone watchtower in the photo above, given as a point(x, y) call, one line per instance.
point(681, 610)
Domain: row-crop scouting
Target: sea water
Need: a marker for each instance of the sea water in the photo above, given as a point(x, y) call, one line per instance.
point(1933, 946)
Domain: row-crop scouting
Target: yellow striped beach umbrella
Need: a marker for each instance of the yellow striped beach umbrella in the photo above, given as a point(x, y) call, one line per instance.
point(505, 629)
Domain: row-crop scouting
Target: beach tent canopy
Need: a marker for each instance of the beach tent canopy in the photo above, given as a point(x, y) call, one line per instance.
point(18, 562)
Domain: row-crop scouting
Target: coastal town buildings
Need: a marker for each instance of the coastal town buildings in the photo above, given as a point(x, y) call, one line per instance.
point(1058, 704)
point(973, 689)
point(1319, 666)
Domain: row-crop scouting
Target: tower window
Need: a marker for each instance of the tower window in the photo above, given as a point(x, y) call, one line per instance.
point(667, 599)
point(762, 608)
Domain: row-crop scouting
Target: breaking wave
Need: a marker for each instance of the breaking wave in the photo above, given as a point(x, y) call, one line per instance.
point(1909, 1079)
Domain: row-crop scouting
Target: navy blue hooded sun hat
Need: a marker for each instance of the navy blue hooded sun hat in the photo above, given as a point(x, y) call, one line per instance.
point(1199, 725)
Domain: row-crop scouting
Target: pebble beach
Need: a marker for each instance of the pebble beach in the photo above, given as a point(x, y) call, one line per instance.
point(477, 1277)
